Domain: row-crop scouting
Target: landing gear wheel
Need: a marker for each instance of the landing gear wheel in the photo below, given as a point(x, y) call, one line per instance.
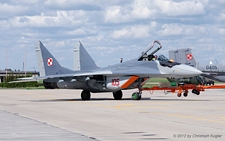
point(118, 95)
point(85, 95)
point(136, 96)
point(185, 93)
point(196, 92)
point(179, 95)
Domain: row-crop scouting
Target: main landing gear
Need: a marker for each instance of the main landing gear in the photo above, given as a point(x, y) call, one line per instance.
point(135, 96)
point(118, 95)
point(85, 95)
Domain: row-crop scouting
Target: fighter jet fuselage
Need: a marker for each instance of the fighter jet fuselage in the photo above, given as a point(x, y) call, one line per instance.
point(121, 76)
point(211, 71)
point(90, 78)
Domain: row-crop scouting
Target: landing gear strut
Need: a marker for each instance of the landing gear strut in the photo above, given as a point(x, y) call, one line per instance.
point(136, 95)
point(85, 95)
point(118, 95)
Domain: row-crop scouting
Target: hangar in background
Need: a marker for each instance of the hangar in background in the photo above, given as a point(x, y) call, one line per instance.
point(4, 73)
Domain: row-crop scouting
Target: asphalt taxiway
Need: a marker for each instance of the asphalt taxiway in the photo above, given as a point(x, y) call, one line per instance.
point(62, 115)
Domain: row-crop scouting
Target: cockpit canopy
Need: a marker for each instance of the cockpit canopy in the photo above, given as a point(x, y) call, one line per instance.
point(145, 56)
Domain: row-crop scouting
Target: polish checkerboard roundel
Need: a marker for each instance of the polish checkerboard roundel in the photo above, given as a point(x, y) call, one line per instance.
point(50, 62)
point(189, 56)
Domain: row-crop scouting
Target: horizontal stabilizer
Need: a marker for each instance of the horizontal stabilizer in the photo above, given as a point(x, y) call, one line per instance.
point(26, 79)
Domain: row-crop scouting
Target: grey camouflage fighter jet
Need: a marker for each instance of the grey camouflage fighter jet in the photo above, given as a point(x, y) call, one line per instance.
point(90, 78)
point(212, 71)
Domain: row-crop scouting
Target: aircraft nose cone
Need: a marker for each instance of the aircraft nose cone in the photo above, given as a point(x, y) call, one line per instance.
point(186, 71)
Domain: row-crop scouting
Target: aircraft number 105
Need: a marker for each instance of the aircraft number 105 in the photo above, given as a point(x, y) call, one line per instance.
point(211, 67)
point(115, 82)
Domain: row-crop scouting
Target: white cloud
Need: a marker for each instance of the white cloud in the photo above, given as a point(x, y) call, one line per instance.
point(77, 32)
point(7, 10)
point(114, 15)
point(26, 2)
point(221, 31)
point(221, 16)
point(142, 9)
point(62, 18)
point(179, 29)
point(139, 31)
point(120, 28)
point(182, 8)
point(139, 9)
point(72, 4)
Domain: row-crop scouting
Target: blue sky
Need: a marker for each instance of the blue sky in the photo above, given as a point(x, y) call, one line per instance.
point(109, 30)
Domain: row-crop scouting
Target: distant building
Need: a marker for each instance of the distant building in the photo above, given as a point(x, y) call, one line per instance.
point(3, 73)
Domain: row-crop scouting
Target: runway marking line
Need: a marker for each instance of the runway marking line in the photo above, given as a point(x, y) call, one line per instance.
point(124, 105)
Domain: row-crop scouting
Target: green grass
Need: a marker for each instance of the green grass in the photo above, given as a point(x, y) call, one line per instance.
point(154, 82)
point(157, 80)
point(27, 88)
point(35, 88)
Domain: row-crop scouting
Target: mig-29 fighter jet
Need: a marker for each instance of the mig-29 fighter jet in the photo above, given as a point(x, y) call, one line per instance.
point(127, 75)
point(211, 71)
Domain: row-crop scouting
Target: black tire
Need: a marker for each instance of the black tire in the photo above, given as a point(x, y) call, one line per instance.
point(118, 95)
point(185, 94)
point(85, 95)
point(196, 92)
point(139, 98)
point(47, 85)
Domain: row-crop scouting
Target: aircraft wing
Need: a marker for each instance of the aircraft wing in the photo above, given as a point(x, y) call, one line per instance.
point(123, 71)
point(116, 72)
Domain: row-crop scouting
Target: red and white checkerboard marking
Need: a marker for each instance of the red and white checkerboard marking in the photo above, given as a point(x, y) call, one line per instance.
point(50, 62)
point(189, 56)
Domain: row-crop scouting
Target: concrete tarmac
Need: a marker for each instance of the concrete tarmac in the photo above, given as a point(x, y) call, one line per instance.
point(62, 115)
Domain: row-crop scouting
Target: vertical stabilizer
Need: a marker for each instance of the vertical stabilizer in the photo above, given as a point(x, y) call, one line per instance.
point(47, 64)
point(183, 56)
point(82, 60)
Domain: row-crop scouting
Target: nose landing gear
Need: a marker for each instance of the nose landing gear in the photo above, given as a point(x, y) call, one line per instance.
point(136, 95)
